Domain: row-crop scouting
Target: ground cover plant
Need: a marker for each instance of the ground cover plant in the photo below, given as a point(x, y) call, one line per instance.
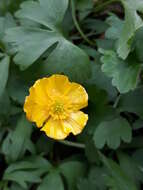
point(87, 57)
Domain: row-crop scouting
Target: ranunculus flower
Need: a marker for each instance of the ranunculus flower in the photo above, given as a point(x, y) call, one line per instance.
point(54, 103)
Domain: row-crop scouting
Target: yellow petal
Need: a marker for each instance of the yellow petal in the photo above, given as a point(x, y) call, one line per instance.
point(53, 129)
point(75, 123)
point(35, 112)
point(78, 96)
point(57, 84)
point(38, 92)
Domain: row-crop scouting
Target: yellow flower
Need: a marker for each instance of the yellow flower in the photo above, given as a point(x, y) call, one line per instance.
point(54, 104)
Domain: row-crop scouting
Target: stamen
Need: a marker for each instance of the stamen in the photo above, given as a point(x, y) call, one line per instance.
point(58, 108)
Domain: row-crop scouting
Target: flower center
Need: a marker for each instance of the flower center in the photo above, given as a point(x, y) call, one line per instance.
point(58, 108)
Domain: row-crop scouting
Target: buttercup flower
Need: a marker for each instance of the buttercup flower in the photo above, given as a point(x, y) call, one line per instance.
point(54, 104)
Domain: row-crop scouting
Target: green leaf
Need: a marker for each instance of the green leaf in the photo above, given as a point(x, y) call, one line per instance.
point(131, 167)
point(96, 116)
point(17, 88)
point(99, 79)
point(106, 44)
point(132, 23)
point(6, 23)
point(52, 181)
point(30, 163)
point(4, 71)
point(72, 171)
point(124, 74)
point(28, 170)
point(112, 132)
point(82, 5)
point(119, 178)
point(116, 26)
point(48, 13)
point(15, 144)
point(138, 46)
point(85, 184)
point(21, 177)
point(15, 186)
point(96, 177)
point(31, 42)
point(132, 102)
point(96, 25)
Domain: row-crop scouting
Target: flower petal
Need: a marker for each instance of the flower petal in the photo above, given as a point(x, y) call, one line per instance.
point(78, 96)
point(75, 123)
point(35, 112)
point(53, 129)
point(38, 92)
point(58, 84)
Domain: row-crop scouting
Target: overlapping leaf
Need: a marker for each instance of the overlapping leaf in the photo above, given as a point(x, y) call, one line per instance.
point(28, 170)
point(111, 132)
point(115, 29)
point(132, 102)
point(18, 141)
point(118, 180)
point(133, 22)
point(131, 168)
point(124, 73)
point(52, 181)
point(71, 171)
point(31, 42)
point(94, 180)
point(5, 23)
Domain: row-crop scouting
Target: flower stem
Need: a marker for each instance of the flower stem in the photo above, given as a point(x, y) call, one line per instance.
point(77, 24)
point(104, 5)
point(116, 101)
point(74, 144)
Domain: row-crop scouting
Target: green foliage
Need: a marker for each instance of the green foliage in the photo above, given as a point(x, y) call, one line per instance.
point(132, 102)
point(97, 43)
point(28, 170)
point(4, 68)
point(52, 181)
point(117, 179)
point(72, 171)
point(17, 141)
point(107, 132)
point(132, 23)
point(65, 55)
point(125, 74)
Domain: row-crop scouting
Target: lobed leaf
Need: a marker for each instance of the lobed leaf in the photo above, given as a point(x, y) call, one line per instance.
point(124, 74)
point(118, 180)
point(112, 132)
point(133, 22)
point(30, 43)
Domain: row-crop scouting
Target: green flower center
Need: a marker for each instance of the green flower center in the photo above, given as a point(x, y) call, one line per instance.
point(58, 108)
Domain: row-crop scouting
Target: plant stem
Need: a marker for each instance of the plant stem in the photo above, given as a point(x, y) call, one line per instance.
point(77, 24)
point(103, 5)
point(117, 101)
point(74, 144)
